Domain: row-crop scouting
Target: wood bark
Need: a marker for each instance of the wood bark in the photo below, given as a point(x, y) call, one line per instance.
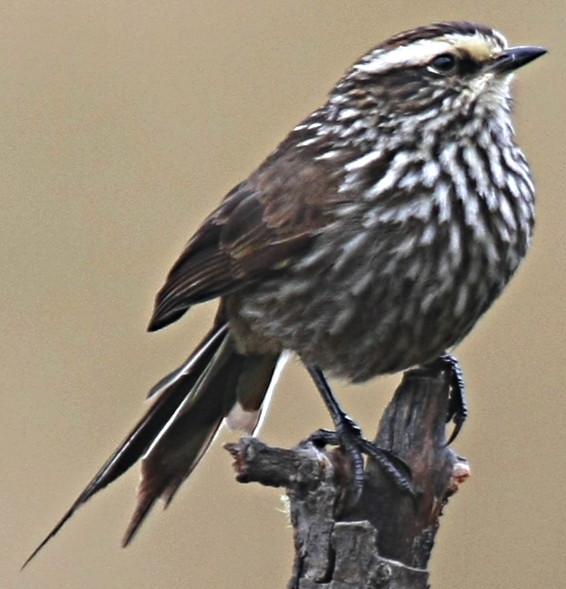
point(383, 540)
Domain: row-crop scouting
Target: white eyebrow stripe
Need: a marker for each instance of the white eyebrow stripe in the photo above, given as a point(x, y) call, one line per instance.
point(419, 52)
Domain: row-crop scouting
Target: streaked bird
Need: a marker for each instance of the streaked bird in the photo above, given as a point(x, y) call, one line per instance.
point(371, 240)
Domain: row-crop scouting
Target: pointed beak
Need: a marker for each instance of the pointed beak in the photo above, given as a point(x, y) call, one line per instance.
point(515, 57)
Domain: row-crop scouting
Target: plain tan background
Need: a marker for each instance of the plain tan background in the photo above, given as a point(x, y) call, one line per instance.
point(122, 123)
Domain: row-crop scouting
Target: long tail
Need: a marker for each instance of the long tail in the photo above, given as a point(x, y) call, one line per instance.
point(215, 382)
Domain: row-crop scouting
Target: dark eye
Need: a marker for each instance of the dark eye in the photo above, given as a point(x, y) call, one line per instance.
point(443, 64)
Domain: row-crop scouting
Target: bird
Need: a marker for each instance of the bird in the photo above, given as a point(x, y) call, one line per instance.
point(370, 241)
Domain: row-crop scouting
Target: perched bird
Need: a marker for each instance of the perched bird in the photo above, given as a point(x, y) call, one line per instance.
point(371, 240)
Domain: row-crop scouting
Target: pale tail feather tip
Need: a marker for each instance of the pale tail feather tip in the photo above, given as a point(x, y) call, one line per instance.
point(242, 421)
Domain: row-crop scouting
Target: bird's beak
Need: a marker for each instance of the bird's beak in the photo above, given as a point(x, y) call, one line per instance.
point(514, 58)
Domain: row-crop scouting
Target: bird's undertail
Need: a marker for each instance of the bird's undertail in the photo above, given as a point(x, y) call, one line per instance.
point(216, 382)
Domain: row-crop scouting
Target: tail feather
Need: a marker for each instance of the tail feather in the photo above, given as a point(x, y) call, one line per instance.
point(201, 355)
point(177, 451)
point(258, 378)
point(189, 407)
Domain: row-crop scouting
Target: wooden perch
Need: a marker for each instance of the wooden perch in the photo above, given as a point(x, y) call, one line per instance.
point(385, 539)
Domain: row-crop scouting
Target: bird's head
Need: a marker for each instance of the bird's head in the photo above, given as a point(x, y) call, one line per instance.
point(435, 68)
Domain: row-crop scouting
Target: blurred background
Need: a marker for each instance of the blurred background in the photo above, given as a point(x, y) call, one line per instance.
point(123, 123)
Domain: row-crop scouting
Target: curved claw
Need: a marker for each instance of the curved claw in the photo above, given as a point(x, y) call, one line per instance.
point(350, 438)
point(369, 448)
point(387, 460)
point(457, 405)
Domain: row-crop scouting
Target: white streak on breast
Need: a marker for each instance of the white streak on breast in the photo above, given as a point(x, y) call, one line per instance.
point(391, 177)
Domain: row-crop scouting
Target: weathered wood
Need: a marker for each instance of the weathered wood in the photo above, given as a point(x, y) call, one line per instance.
point(385, 539)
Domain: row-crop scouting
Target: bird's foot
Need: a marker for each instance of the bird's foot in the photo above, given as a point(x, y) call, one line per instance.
point(457, 404)
point(350, 438)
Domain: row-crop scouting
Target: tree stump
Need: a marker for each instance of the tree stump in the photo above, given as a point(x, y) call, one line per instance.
point(385, 539)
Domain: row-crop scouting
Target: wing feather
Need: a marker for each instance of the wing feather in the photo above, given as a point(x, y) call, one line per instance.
point(261, 225)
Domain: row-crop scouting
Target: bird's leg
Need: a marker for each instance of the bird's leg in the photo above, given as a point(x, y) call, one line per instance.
point(348, 434)
point(457, 405)
point(350, 437)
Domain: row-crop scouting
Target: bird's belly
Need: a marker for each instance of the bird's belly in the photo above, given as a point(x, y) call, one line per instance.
point(362, 319)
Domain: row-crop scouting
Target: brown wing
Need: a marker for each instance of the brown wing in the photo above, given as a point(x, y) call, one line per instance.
point(257, 229)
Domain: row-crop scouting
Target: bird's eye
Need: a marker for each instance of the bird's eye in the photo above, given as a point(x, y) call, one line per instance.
point(443, 64)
